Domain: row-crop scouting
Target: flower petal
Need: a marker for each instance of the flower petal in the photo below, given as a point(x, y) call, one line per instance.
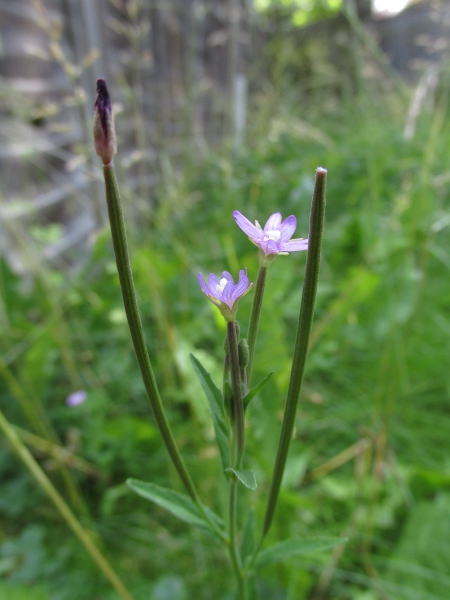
point(203, 284)
point(227, 276)
point(273, 222)
point(213, 282)
point(242, 273)
point(270, 247)
point(294, 245)
point(240, 288)
point(227, 292)
point(251, 230)
point(287, 228)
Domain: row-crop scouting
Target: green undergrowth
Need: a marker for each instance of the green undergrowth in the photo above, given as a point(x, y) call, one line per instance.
point(370, 456)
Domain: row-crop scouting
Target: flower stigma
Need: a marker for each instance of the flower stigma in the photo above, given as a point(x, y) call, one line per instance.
point(272, 234)
point(222, 283)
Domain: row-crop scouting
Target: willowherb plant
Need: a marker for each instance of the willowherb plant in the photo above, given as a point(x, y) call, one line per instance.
point(228, 404)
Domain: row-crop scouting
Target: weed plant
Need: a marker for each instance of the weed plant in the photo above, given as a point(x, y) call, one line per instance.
point(369, 460)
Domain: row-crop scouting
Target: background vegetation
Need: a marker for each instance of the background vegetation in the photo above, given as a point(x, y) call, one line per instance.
point(370, 458)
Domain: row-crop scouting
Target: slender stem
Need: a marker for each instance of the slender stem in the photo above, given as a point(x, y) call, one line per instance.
point(42, 479)
point(254, 318)
point(301, 345)
point(237, 450)
point(134, 322)
point(238, 405)
point(232, 533)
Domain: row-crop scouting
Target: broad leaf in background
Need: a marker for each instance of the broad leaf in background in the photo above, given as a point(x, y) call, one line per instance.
point(296, 547)
point(216, 407)
point(246, 477)
point(178, 504)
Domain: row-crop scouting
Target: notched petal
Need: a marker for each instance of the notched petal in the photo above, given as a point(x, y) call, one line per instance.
point(273, 222)
point(287, 228)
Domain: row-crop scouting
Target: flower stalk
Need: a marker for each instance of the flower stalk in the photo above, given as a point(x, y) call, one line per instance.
point(237, 416)
point(254, 318)
point(237, 448)
point(301, 345)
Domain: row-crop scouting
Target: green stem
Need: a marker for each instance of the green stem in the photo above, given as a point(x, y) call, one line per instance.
point(232, 533)
point(237, 450)
point(254, 318)
point(238, 405)
point(301, 345)
point(134, 322)
point(42, 479)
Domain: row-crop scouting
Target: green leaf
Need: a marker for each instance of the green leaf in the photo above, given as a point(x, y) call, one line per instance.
point(296, 547)
point(178, 504)
point(252, 393)
point(246, 477)
point(216, 408)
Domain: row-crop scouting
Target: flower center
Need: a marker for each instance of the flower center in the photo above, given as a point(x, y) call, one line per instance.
point(222, 283)
point(272, 234)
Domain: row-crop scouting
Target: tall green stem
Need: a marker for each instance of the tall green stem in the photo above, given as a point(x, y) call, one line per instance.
point(42, 479)
point(134, 322)
point(316, 224)
point(237, 450)
point(232, 533)
point(254, 318)
point(236, 386)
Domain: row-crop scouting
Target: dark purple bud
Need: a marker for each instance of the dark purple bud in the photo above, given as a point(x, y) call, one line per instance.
point(104, 130)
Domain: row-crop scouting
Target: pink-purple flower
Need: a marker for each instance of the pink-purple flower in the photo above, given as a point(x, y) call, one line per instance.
point(224, 293)
point(276, 236)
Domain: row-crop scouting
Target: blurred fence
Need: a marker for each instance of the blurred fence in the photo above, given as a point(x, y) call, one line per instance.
point(177, 70)
point(179, 73)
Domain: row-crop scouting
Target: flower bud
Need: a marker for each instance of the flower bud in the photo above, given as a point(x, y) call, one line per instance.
point(244, 353)
point(104, 130)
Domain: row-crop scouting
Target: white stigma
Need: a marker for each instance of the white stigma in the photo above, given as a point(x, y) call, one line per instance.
point(272, 234)
point(257, 225)
point(222, 283)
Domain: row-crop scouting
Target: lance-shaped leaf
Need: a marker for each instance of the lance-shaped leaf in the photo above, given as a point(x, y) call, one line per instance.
point(246, 477)
point(178, 504)
point(216, 407)
point(252, 393)
point(296, 547)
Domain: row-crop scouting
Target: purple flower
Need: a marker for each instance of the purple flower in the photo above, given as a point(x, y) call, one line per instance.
point(76, 398)
point(224, 293)
point(275, 238)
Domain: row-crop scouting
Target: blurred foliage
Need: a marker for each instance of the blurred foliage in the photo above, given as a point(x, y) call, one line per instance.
point(370, 456)
point(302, 12)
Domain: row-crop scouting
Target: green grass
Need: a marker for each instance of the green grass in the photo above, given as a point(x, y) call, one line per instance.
point(377, 371)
